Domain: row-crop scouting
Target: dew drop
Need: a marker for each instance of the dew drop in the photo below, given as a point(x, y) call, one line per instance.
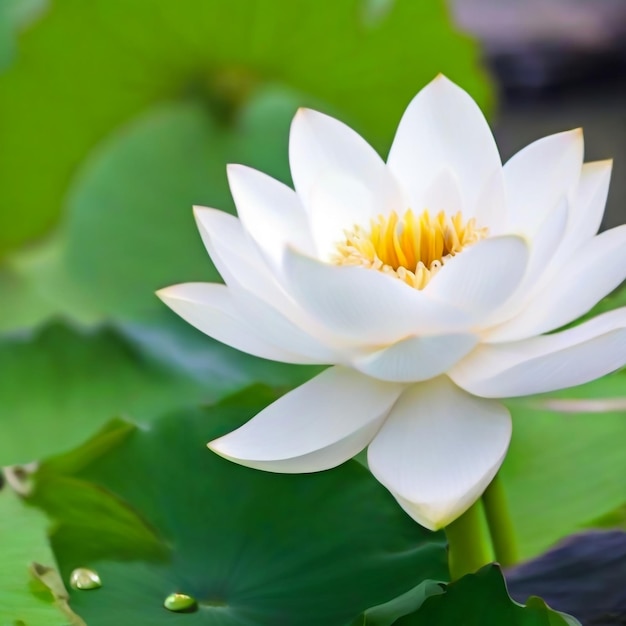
point(84, 579)
point(180, 603)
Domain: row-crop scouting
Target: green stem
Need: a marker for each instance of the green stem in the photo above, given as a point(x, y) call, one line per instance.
point(468, 546)
point(500, 523)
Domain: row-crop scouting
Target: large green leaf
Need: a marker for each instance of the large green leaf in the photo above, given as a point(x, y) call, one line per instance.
point(35, 287)
point(566, 452)
point(87, 68)
point(252, 547)
point(31, 593)
point(60, 384)
point(481, 599)
point(130, 227)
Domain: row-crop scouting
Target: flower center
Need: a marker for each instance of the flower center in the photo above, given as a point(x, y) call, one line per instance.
point(410, 248)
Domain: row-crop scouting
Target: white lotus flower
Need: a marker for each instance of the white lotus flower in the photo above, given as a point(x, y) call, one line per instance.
point(427, 282)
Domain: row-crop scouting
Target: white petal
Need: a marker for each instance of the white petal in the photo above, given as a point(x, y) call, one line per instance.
point(439, 449)
point(443, 128)
point(543, 245)
point(365, 306)
point(547, 240)
point(546, 363)
point(417, 358)
point(243, 322)
point(339, 177)
point(482, 277)
point(270, 211)
point(491, 210)
point(540, 175)
point(592, 272)
point(443, 194)
point(236, 258)
point(317, 426)
point(552, 250)
point(244, 268)
point(589, 203)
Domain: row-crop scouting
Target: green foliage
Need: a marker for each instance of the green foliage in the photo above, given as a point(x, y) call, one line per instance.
point(405, 604)
point(31, 592)
point(481, 599)
point(567, 447)
point(250, 546)
point(60, 384)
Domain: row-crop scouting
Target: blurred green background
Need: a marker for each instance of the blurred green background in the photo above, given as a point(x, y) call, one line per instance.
point(116, 116)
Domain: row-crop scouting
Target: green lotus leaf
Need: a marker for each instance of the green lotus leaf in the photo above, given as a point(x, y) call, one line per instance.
point(61, 383)
point(481, 599)
point(249, 547)
point(31, 591)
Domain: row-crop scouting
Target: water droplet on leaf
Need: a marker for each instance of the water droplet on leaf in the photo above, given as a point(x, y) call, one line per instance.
point(180, 603)
point(84, 579)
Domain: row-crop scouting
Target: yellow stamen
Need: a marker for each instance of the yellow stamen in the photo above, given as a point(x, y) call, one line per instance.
point(410, 248)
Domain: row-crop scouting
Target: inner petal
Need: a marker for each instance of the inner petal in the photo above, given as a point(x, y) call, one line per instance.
point(408, 247)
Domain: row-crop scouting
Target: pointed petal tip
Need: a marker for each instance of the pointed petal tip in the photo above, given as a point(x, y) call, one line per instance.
point(234, 168)
point(199, 211)
point(302, 116)
point(165, 293)
point(603, 164)
point(220, 447)
point(187, 292)
point(441, 81)
point(305, 114)
point(213, 445)
point(575, 134)
point(302, 113)
point(235, 173)
point(441, 78)
point(434, 516)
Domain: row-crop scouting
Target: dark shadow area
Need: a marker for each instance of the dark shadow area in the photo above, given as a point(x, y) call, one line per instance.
point(558, 65)
point(585, 576)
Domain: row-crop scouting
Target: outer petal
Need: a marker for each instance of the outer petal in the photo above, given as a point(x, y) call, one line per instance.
point(417, 358)
point(543, 245)
point(571, 357)
point(483, 277)
point(339, 177)
point(588, 207)
point(317, 426)
point(363, 306)
point(439, 449)
point(443, 128)
point(555, 251)
point(270, 211)
point(233, 253)
point(593, 272)
point(538, 176)
point(546, 241)
point(244, 322)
